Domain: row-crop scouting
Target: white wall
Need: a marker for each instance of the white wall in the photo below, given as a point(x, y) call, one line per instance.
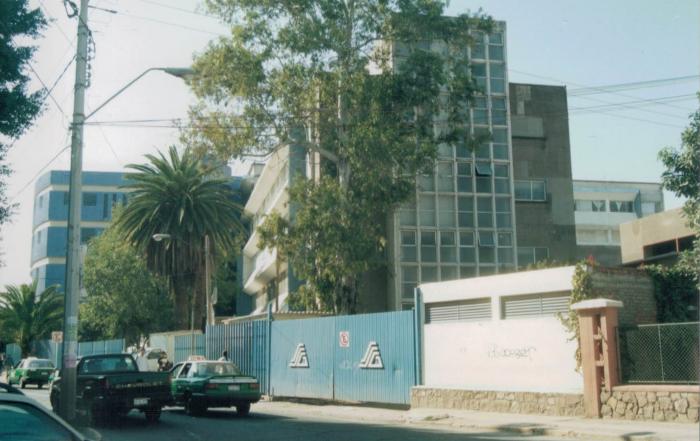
point(518, 355)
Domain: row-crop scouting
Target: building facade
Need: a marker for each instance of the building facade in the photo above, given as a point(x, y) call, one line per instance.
point(461, 223)
point(101, 191)
point(544, 199)
point(600, 208)
point(657, 238)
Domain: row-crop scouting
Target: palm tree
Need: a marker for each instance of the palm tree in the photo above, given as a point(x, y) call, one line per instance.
point(181, 196)
point(26, 316)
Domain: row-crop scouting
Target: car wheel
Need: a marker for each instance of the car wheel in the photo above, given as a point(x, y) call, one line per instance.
point(192, 407)
point(152, 415)
point(22, 383)
point(54, 402)
point(243, 409)
point(40, 385)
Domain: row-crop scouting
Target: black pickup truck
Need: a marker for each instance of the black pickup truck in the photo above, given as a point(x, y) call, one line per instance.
point(111, 384)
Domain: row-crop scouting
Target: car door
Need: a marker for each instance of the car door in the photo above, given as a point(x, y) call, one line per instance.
point(173, 379)
point(17, 372)
point(181, 382)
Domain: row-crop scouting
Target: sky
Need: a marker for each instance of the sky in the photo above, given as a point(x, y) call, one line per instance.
point(579, 44)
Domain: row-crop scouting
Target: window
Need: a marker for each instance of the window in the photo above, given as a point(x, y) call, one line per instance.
point(588, 205)
point(445, 175)
point(498, 77)
point(465, 214)
point(408, 246)
point(479, 48)
point(498, 112)
point(484, 206)
point(464, 177)
point(448, 247)
point(504, 219)
point(486, 239)
point(591, 236)
point(105, 206)
point(479, 73)
point(535, 305)
point(621, 207)
point(487, 244)
point(531, 255)
point(501, 183)
point(480, 111)
point(466, 247)
point(530, 191)
point(88, 233)
point(500, 143)
point(409, 280)
point(445, 151)
point(448, 272)
point(426, 210)
point(505, 248)
point(426, 182)
point(407, 216)
point(428, 274)
point(483, 177)
point(446, 211)
point(38, 237)
point(496, 46)
point(89, 199)
point(41, 201)
point(462, 311)
point(428, 246)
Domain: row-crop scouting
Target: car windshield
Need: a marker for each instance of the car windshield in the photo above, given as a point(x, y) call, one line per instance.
point(104, 365)
point(216, 368)
point(24, 422)
point(36, 364)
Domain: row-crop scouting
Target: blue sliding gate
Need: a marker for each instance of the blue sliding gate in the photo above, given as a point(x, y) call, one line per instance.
point(369, 358)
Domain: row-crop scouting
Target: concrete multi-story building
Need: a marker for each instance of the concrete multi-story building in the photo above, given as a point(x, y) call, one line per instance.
point(600, 208)
point(544, 201)
point(101, 190)
point(657, 238)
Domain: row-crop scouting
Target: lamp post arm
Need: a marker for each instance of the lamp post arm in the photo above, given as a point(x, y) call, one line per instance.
point(117, 93)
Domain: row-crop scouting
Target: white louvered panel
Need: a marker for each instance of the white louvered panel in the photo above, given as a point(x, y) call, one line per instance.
point(519, 307)
point(475, 310)
point(442, 313)
point(553, 305)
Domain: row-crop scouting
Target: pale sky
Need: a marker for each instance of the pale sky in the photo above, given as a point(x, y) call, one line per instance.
point(579, 44)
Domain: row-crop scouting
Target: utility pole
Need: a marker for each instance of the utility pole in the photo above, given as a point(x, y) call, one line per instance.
point(72, 293)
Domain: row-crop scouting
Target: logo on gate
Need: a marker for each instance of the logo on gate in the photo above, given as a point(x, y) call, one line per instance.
point(300, 358)
point(372, 358)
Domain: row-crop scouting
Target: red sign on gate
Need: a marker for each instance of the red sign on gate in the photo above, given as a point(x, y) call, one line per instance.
point(344, 339)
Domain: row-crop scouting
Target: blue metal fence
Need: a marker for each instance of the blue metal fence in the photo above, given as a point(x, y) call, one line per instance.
point(184, 346)
point(368, 358)
point(246, 344)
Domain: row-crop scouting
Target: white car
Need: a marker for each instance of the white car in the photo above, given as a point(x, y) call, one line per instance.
point(24, 419)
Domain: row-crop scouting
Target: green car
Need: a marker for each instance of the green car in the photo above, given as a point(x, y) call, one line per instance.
point(198, 385)
point(31, 370)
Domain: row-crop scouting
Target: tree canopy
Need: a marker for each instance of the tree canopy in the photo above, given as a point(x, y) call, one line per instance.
point(26, 315)
point(18, 106)
point(125, 300)
point(372, 87)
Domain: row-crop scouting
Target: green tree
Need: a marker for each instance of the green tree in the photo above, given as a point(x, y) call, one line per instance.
point(26, 316)
point(124, 300)
point(682, 176)
point(18, 106)
point(323, 75)
point(183, 197)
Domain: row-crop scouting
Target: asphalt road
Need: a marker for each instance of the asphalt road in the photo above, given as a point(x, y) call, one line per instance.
point(271, 422)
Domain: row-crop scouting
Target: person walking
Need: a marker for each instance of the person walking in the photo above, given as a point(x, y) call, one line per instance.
point(141, 361)
point(224, 356)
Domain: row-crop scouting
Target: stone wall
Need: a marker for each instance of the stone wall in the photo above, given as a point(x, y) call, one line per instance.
point(490, 401)
point(652, 403)
point(631, 286)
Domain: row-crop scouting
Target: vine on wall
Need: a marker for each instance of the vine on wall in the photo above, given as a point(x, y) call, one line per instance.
point(582, 289)
point(675, 289)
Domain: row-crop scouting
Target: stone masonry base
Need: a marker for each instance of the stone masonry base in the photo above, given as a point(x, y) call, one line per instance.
point(491, 401)
point(652, 403)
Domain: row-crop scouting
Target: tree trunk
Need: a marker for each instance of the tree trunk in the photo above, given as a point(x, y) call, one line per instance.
point(181, 299)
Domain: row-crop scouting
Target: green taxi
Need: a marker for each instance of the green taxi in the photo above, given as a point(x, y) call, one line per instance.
point(199, 385)
point(31, 371)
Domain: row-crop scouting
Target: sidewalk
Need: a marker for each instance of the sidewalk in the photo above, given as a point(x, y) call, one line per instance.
point(568, 427)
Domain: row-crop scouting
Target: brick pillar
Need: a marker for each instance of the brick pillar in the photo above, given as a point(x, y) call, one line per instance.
point(598, 343)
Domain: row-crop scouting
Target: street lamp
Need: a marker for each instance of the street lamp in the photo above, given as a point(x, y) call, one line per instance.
point(72, 292)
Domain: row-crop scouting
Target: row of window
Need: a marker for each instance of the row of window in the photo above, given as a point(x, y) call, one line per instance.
point(465, 177)
point(450, 211)
point(603, 205)
point(513, 307)
point(597, 236)
point(413, 275)
point(85, 235)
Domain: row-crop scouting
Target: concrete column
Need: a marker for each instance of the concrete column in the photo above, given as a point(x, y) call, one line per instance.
point(598, 345)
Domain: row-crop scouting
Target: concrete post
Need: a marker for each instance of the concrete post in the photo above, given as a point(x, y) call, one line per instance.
point(598, 345)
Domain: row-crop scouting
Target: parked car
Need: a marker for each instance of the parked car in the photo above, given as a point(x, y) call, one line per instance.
point(199, 385)
point(23, 419)
point(31, 370)
point(111, 384)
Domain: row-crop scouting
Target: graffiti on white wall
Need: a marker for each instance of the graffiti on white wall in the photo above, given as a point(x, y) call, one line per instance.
point(519, 353)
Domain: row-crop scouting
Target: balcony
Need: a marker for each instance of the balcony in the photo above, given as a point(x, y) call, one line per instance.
point(259, 270)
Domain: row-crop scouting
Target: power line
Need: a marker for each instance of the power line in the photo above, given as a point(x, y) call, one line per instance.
point(58, 26)
point(167, 23)
point(49, 91)
point(41, 170)
point(631, 86)
point(175, 8)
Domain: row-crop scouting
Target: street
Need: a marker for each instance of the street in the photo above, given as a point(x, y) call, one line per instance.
point(282, 421)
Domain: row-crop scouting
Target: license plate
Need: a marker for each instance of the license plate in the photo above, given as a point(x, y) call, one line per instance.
point(140, 401)
point(234, 387)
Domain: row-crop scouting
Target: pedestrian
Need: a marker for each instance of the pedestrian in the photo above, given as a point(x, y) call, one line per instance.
point(141, 361)
point(224, 356)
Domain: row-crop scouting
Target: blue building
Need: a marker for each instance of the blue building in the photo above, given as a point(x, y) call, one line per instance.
point(101, 191)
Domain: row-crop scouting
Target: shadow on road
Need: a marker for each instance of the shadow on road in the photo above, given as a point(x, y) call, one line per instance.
point(225, 425)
